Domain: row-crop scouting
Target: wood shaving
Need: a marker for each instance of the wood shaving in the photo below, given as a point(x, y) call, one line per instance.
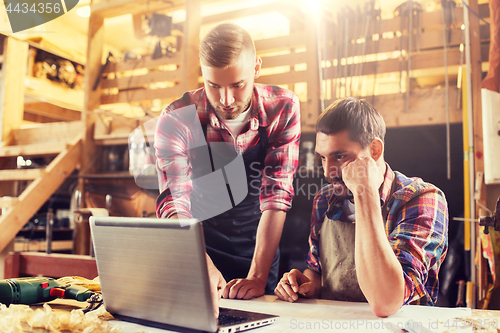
point(484, 323)
point(19, 318)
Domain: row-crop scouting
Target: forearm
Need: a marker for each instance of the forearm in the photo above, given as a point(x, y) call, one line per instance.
point(266, 244)
point(379, 272)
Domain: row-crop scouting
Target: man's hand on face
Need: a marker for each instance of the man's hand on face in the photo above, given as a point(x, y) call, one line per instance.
point(244, 288)
point(362, 175)
point(293, 283)
point(217, 284)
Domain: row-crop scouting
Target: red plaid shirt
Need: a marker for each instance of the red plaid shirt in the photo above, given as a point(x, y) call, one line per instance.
point(272, 107)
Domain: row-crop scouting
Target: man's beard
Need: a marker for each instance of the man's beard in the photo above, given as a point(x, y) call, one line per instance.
point(238, 108)
point(339, 187)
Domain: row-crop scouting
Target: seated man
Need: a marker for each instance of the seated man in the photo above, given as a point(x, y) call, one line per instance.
point(376, 235)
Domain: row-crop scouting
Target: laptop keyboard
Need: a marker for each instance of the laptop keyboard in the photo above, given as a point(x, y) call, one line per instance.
point(225, 319)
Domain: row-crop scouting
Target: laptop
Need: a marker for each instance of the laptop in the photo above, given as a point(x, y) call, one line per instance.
point(154, 272)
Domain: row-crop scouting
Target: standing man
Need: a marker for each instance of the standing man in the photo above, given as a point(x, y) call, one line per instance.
point(376, 235)
point(259, 123)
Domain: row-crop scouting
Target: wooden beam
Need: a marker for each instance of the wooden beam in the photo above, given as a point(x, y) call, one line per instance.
point(8, 202)
point(142, 80)
point(113, 8)
point(35, 149)
point(52, 111)
point(92, 100)
point(13, 75)
point(53, 132)
point(41, 245)
point(135, 95)
point(476, 78)
point(38, 119)
point(21, 174)
point(38, 192)
point(191, 44)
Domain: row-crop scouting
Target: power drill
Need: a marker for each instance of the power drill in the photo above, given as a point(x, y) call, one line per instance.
point(31, 290)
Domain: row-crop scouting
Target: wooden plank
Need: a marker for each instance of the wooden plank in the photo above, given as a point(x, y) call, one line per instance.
point(92, 101)
point(142, 95)
point(294, 40)
point(427, 107)
point(484, 10)
point(191, 43)
point(476, 79)
point(41, 246)
point(141, 80)
point(8, 202)
point(54, 265)
point(62, 131)
point(21, 174)
point(113, 8)
point(111, 140)
point(421, 60)
point(47, 91)
point(12, 81)
point(144, 62)
point(246, 12)
point(39, 191)
point(284, 60)
point(52, 111)
point(283, 78)
point(35, 149)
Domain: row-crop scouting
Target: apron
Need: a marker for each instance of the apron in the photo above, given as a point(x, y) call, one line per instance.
point(338, 269)
point(230, 237)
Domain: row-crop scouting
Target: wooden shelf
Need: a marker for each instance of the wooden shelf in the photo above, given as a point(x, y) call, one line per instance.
point(57, 53)
point(106, 175)
point(47, 91)
point(41, 245)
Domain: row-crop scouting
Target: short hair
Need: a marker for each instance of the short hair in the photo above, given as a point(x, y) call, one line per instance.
point(361, 119)
point(224, 44)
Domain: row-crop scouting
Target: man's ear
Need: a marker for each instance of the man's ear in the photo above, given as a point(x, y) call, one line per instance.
point(258, 66)
point(376, 149)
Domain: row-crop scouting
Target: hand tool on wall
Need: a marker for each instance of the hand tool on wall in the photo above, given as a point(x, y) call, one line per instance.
point(103, 68)
point(32, 290)
point(447, 88)
point(491, 221)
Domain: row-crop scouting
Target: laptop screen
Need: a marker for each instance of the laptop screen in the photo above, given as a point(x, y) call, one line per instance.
point(154, 269)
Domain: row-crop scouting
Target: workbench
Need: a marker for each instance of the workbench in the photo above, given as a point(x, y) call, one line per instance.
point(312, 315)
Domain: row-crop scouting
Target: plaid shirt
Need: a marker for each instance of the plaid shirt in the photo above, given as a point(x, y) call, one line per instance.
point(419, 239)
point(276, 109)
